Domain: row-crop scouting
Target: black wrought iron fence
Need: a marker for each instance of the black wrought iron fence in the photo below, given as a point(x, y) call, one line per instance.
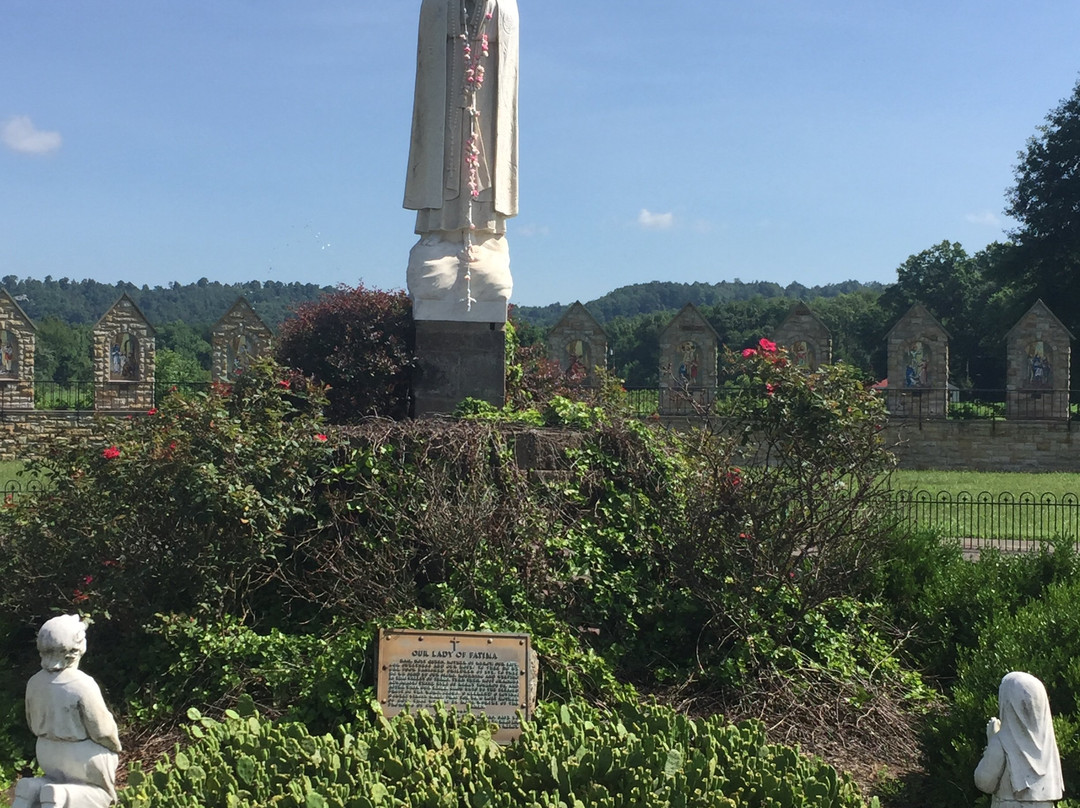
point(985, 404)
point(75, 395)
point(12, 490)
point(1007, 521)
point(80, 395)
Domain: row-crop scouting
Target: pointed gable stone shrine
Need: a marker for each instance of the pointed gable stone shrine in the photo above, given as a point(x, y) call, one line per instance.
point(578, 344)
point(918, 349)
point(17, 341)
point(688, 369)
point(124, 358)
point(805, 337)
point(1037, 371)
point(238, 337)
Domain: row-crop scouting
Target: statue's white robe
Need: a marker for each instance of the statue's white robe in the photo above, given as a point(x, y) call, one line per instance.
point(436, 185)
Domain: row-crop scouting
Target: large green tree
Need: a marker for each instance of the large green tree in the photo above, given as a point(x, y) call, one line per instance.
point(1046, 203)
point(955, 288)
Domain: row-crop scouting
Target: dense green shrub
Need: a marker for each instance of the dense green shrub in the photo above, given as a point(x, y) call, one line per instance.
point(636, 557)
point(1042, 638)
point(193, 505)
point(784, 506)
point(569, 755)
point(361, 343)
point(944, 601)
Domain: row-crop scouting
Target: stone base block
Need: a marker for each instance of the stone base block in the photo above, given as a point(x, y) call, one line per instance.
point(458, 360)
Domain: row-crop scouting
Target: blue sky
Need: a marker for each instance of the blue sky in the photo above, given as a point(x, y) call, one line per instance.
point(686, 140)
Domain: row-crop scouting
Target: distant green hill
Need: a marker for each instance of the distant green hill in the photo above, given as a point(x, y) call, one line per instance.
point(646, 298)
point(199, 304)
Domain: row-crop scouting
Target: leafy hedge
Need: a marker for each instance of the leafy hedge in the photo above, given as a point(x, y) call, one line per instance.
point(571, 755)
point(1042, 637)
point(226, 543)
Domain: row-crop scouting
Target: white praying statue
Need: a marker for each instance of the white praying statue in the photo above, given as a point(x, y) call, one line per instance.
point(462, 174)
point(77, 741)
point(1021, 767)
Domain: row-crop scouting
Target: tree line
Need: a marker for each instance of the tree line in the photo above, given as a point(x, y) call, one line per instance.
point(977, 297)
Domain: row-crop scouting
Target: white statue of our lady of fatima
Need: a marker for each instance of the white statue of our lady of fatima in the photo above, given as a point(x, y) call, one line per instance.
point(462, 176)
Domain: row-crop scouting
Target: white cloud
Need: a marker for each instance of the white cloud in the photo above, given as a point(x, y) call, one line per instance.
point(20, 135)
point(655, 221)
point(986, 217)
point(528, 230)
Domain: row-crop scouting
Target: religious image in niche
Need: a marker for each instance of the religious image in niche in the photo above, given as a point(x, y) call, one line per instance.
point(1040, 368)
point(239, 353)
point(917, 368)
point(578, 353)
point(462, 173)
point(802, 355)
point(7, 354)
point(689, 362)
point(123, 358)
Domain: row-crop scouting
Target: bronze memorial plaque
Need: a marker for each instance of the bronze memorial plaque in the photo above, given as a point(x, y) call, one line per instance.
point(487, 673)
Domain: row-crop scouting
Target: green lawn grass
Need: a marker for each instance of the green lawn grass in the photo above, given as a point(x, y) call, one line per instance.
point(1008, 506)
point(9, 470)
point(993, 482)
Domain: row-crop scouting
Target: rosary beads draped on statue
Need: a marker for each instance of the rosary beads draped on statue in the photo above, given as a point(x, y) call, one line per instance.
point(462, 175)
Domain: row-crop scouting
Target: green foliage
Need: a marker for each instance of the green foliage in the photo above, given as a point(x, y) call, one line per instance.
point(784, 506)
point(647, 298)
point(172, 367)
point(570, 755)
point(947, 601)
point(16, 742)
point(197, 503)
point(62, 352)
point(1046, 202)
point(361, 343)
point(318, 679)
point(1042, 638)
point(189, 351)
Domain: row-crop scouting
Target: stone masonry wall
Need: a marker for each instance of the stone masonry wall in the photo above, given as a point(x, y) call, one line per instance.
point(236, 339)
point(1039, 355)
point(935, 444)
point(17, 343)
point(23, 433)
point(918, 357)
point(123, 383)
point(986, 445)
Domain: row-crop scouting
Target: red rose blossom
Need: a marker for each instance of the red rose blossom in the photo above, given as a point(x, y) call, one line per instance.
point(111, 453)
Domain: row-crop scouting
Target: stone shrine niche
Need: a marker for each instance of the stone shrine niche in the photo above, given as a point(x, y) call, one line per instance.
point(18, 337)
point(238, 337)
point(918, 361)
point(805, 337)
point(688, 363)
point(1038, 359)
point(578, 344)
point(124, 360)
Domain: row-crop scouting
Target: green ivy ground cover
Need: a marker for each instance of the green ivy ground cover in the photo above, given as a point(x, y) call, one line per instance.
point(571, 755)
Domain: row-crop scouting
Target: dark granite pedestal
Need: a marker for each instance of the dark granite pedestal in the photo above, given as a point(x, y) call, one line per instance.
point(456, 361)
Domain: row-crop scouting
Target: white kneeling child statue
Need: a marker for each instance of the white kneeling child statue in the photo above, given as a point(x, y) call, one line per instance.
point(1021, 767)
point(77, 741)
